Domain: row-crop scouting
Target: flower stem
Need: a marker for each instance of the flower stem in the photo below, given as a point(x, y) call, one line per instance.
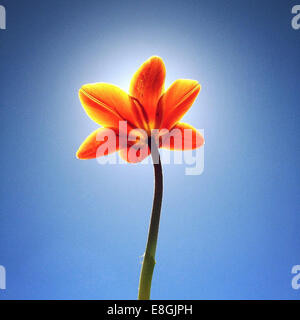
point(149, 256)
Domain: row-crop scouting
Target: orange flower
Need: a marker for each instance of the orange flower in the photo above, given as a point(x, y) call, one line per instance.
point(146, 108)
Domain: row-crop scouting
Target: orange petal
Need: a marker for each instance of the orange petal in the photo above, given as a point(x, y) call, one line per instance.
point(147, 86)
point(182, 137)
point(107, 104)
point(176, 101)
point(101, 142)
point(133, 154)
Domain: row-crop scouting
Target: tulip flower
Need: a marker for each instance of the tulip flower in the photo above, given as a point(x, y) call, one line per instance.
point(136, 125)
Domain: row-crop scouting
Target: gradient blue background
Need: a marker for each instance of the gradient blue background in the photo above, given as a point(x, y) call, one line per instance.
point(73, 229)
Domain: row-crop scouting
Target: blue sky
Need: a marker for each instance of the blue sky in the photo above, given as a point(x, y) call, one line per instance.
point(73, 229)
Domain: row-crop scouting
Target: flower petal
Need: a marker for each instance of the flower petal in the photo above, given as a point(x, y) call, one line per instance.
point(101, 142)
point(176, 101)
point(107, 104)
point(147, 86)
point(182, 137)
point(133, 154)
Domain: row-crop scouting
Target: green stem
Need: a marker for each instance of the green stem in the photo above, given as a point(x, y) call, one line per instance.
point(149, 256)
